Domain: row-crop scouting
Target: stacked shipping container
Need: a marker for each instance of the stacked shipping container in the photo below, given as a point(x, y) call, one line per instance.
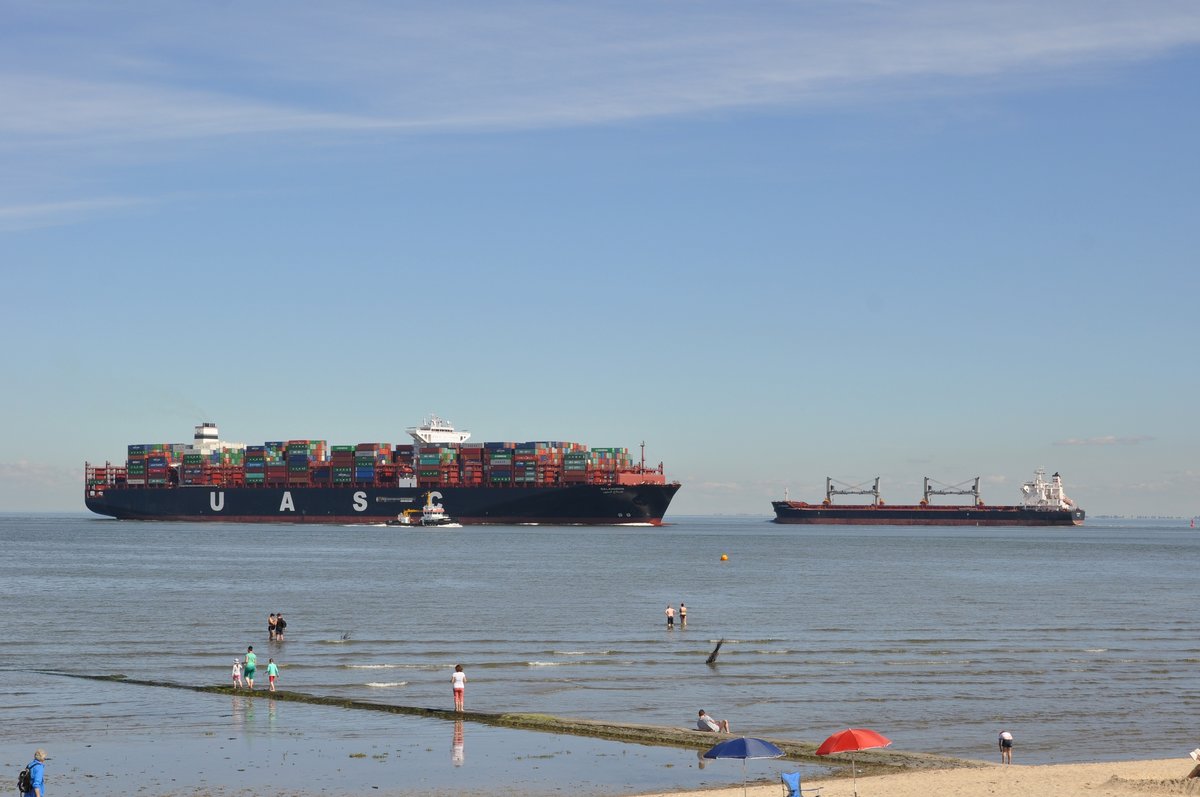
point(311, 462)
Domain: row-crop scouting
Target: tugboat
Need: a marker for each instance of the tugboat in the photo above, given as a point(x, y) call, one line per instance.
point(435, 515)
point(430, 515)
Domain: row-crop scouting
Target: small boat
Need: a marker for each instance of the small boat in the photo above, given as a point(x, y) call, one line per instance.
point(429, 515)
point(435, 516)
point(406, 518)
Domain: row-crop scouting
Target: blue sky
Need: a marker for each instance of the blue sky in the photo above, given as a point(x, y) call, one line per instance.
point(774, 240)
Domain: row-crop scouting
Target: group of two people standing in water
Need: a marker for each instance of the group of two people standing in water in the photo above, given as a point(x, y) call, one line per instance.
point(671, 616)
point(275, 626)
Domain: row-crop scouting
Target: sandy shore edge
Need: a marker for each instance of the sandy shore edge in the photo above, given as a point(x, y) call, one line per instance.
point(1107, 779)
point(1148, 778)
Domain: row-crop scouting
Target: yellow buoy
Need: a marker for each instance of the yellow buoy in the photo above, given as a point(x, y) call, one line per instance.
point(724, 558)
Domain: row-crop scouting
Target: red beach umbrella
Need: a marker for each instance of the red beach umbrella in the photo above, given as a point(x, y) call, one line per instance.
point(853, 739)
point(849, 741)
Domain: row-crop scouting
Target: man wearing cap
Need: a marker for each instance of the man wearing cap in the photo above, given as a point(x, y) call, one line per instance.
point(37, 774)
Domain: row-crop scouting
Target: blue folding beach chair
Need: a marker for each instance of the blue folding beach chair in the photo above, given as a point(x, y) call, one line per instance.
point(791, 786)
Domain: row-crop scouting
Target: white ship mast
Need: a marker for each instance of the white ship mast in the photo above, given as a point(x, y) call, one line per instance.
point(436, 431)
point(1045, 495)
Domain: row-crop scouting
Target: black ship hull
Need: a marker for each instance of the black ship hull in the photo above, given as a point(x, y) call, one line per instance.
point(557, 505)
point(883, 515)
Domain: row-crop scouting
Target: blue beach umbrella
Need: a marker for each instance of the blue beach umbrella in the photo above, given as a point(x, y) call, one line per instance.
point(743, 748)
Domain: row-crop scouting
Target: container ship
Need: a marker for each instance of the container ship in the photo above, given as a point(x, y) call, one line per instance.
point(308, 481)
point(1044, 503)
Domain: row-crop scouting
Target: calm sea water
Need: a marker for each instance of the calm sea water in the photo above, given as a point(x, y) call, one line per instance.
point(1083, 642)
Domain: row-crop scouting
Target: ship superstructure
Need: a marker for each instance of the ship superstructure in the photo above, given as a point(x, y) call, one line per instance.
point(1046, 495)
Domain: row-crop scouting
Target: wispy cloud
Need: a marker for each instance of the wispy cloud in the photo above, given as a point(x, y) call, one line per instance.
point(363, 66)
point(1180, 482)
point(38, 487)
point(87, 88)
point(23, 474)
point(49, 214)
point(47, 108)
point(1106, 440)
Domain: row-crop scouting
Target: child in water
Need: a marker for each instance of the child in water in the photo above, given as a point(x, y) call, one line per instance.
point(237, 673)
point(459, 681)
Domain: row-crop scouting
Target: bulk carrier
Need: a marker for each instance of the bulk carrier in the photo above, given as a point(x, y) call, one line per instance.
point(307, 481)
point(1043, 504)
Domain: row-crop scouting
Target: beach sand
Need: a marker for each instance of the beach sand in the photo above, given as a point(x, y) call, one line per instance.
point(1115, 779)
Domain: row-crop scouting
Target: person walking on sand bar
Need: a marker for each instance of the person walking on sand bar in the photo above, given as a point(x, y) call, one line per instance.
point(37, 775)
point(707, 723)
point(459, 681)
point(237, 673)
point(1006, 743)
point(251, 666)
point(670, 616)
point(36, 767)
point(272, 672)
point(682, 615)
point(272, 624)
point(280, 624)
